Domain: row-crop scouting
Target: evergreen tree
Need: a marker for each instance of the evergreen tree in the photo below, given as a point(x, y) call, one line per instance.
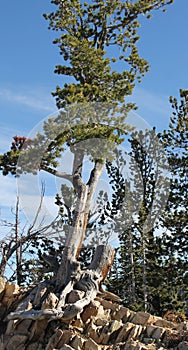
point(142, 196)
point(92, 122)
point(174, 220)
point(153, 266)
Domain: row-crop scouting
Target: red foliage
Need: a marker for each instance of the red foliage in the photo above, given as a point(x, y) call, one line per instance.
point(18, 143)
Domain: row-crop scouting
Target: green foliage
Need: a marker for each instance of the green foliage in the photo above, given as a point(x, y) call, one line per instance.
point(98, 43)
point(153, 262)
point(88, 31)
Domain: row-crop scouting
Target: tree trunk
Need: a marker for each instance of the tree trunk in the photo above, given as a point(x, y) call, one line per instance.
point(69, 276)
point(77, 231)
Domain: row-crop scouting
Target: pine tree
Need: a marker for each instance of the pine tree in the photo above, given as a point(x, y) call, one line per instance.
point(174, 220)
point(92, 122)
point(138, 202)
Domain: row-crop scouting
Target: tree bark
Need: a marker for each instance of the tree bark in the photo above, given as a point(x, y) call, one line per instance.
point(78, 229)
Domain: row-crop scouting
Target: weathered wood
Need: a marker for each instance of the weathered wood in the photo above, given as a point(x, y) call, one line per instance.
point(103, 260)
point(86, 280)
point(77, 231)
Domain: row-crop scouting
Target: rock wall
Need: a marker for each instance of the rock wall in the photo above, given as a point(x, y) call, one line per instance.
point(103, 325)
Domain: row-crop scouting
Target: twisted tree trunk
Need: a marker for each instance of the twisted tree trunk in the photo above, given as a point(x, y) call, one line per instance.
point(69, 277)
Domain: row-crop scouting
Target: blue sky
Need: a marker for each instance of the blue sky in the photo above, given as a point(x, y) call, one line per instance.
point(28, 59)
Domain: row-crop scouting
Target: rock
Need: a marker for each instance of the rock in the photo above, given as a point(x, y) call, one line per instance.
point(104, 338)
point(91, 345)
point(142, 318)
point(122, 313)
point(66, 337)
point(114, 326)
point(158, 333)
point(54, 340)
point(39, 294)
point(17, 342)
point(90, 310)
point(183, 345)
point(135, 332)
point(11, 292)
point(2, 285)
point(155, 332)
point(182, 326)
point(75, 295)
point(100, 322)
point(50, 302)
point(136, 345)
point(2, 310)
point(124, 332)
point(102, 325)
point(78, 342)
point(148, 341)
point(108, 304)
point(35, 346)
point(11, 289)
point(164, 323)
point(23, 326)
point(37, 331)
point(10, 327)
point(78, 324)
point(93, 332)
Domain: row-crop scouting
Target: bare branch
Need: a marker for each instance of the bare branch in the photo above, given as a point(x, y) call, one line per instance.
point(60, 174)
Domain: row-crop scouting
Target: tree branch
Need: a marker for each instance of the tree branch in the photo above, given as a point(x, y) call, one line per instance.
point(60, 174)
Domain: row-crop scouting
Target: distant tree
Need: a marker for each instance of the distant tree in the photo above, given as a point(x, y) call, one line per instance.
point(152, 267)
point(174, 221)
point(137, 201)
point(175, 140)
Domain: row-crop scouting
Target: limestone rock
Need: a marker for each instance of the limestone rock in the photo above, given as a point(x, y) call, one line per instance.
point(78, 324)
point(102, 325)
point(100, 321)
point(39, 294)
point(54, 340)
point(155, 332)
point(11, 292)
point(75, 295)
point(142, 318)
point(77, 342)
point(35, 346)
point(121, 313)
point(93, 332)
point(90, 310)
point(135, 332)
point(37, 331)
point(124, 332)
point(136, 345)
point(66, 337)
point(11, 289)
point(23, 326)
point(183, 345)
point(114, 326)
point(66, 347)
point(2, 310)
point(50, 302)
point(91, 345)
point(17, 342)
point(108, 304)
point(2, 285)
point(163, 323)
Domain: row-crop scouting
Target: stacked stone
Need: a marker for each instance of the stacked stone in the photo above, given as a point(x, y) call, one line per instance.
point(103, 325)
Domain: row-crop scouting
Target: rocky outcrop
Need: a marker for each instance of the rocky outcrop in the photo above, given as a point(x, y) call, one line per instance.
point(102, 325)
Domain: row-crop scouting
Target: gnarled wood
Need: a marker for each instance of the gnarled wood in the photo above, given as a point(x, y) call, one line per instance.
point(87, 280)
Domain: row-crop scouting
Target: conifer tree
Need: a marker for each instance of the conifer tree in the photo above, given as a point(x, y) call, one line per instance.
point(91, 123)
